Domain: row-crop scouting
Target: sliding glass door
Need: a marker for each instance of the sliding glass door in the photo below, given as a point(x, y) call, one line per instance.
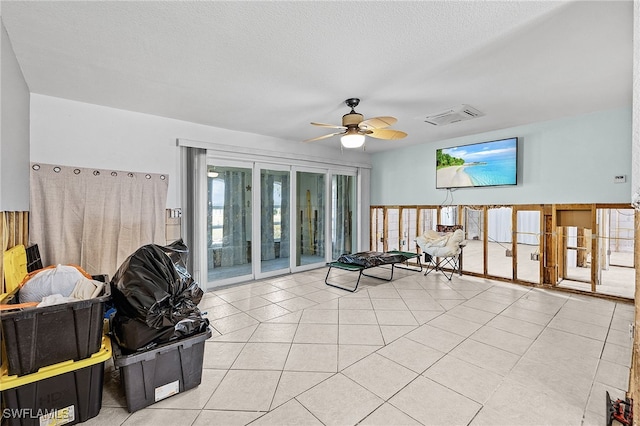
point(343, 215)
point(266, 219)
point(311, 190)
point(274, 213)
point(229, 222)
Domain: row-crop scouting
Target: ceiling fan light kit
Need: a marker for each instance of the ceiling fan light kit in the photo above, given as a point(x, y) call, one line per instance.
point(354, 128)
point(352, 139)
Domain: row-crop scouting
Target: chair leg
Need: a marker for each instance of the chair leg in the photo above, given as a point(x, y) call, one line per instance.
point(429, 264)
point(453, 263)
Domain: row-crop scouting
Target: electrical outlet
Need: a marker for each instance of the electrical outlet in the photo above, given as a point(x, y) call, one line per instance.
point(619, 179)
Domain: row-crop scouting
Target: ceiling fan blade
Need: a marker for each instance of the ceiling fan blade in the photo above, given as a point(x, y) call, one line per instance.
point(389, 134)
point(322, 137)
point(377, 122)
point(331, 126)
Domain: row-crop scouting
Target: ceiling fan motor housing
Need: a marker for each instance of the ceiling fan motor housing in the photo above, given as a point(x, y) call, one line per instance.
point(352, 119)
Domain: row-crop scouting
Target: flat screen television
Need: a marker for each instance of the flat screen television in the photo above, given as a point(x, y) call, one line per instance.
point(492, 163)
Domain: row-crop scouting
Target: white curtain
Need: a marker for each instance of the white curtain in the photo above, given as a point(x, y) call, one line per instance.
point(500, 225)
point(342, 209)
point(529, 227)
point(95, 218)
point(193, 171)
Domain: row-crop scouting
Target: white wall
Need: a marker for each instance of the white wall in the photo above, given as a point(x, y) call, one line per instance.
point(572, 160)
point(73, 133)
point(14, 133)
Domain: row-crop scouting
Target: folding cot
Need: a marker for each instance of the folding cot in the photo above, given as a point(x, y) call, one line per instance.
point(358, 262)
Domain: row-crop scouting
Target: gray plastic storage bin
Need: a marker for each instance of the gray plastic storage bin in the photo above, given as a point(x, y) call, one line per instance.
point(158, 373)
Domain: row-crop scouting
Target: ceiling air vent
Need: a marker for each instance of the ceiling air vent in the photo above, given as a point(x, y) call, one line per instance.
point(453, 115)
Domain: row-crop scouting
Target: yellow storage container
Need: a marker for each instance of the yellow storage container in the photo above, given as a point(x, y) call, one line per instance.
point(62, 394)
point(15, 268)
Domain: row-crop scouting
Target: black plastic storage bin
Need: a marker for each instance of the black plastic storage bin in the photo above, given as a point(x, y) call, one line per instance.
point(161, 372)
point(65, 393)
point(36, 337)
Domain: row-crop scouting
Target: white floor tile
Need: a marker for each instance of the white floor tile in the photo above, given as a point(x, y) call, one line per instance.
point(293, 383)
point(474, 382)
point(502, 339)
point(319, 316)
point(274, 333)
point(349, 354)
point(317, 333)
point(435, 337)
point(262, 356)
point(455, 324)
point(291, 413)
point(226, 418)
point(411, 354)
point(312, 357)
point(380, 375)
point(485, 356)
point(244, 390)
point(339, 401)
point(360, 335)
point(515, 404)
point(387, 415)
point(433, 404)
point(149, 417)
point(221, 355)
point(394, 332)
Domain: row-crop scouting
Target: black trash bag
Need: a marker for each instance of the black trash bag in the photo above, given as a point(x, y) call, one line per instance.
point(133, 335)
point(154, 288)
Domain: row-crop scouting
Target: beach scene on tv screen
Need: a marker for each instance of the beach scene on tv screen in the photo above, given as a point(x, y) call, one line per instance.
point(482, 164)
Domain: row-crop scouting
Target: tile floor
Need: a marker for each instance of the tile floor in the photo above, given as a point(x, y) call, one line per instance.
point(418, 350)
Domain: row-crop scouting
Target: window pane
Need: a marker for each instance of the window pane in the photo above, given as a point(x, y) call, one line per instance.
point(310, 218)
point(274, 220)
point(343, 217)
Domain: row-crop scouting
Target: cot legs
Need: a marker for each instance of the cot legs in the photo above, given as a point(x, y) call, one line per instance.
point(360, 274)
point(339, 286)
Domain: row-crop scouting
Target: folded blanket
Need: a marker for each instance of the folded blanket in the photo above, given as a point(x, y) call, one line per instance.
point(434, 239)
point(435, 246)
point(369, 259)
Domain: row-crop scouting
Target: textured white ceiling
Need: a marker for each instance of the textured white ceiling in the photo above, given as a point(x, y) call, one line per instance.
point(272, 67)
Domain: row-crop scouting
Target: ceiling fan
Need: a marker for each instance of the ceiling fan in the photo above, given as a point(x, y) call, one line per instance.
point(355, 127)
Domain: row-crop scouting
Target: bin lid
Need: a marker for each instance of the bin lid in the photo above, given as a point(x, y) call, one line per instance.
point(15, 267)
point(10, 382)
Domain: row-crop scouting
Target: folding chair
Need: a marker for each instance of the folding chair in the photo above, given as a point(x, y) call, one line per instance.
point(443, 252)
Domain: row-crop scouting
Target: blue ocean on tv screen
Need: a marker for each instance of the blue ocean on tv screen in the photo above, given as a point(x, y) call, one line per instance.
point(494, 172)
point(488, 163)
